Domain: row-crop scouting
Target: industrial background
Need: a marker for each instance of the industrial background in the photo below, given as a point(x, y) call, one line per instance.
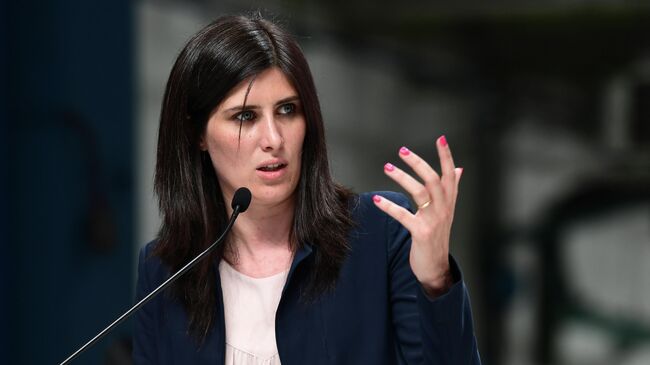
point(545, 104)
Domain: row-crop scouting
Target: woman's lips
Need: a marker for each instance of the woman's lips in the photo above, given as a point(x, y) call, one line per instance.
point(272, 171)
point(272, 167)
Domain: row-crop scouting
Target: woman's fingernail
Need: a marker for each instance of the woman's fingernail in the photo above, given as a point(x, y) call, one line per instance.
point(404, 151)
point(443, 141)
point(389, 167)
point(460, 171)
point(376, 198)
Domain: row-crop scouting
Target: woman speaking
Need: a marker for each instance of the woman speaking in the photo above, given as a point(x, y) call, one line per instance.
point(311, 273)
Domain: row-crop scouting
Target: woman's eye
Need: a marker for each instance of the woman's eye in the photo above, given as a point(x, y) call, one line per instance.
point(287, 108)
point(245, 116)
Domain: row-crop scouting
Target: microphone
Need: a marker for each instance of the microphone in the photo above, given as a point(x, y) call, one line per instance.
point(240, 202)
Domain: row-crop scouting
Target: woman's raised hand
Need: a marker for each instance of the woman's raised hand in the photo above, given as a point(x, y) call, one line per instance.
point(430, 226)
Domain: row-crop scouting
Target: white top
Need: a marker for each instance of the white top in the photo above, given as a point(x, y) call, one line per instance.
point(249, 310)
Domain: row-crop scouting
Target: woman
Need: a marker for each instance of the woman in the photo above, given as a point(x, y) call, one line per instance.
point(311, 273)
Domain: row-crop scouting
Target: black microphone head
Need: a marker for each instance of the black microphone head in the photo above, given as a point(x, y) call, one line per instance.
point(242, 199)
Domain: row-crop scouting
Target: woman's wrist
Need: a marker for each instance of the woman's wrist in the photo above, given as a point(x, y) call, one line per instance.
point(440, 285)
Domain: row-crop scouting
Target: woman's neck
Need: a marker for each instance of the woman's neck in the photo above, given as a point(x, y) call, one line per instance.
point(260, 239)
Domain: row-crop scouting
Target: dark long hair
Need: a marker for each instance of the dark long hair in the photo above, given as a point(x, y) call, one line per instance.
point(220, 56)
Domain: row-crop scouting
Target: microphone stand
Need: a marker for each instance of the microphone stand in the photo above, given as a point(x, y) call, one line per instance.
point(162, 286)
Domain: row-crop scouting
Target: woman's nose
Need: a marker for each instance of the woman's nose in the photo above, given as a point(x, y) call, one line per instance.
point(271, 138)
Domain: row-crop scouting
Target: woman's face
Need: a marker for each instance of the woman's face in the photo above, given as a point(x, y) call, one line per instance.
point(266, 157)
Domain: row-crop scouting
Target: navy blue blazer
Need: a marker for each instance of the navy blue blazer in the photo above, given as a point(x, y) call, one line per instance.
point(377, 314)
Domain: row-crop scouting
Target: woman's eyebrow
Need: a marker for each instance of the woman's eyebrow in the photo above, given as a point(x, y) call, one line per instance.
point(250, 106)
point(288, 99)
point(241, 107)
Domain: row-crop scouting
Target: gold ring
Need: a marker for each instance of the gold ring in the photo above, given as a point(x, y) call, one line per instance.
point(424, 205)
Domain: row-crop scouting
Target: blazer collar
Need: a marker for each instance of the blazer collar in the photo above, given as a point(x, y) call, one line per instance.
point(301, 254)
point(219, 336)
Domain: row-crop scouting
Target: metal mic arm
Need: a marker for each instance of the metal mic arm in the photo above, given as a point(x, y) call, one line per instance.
point(162, 286)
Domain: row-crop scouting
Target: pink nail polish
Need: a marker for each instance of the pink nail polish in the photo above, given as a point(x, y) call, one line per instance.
point(443, 141)
point(404, 151)
point(389, 167)
point(376, 198)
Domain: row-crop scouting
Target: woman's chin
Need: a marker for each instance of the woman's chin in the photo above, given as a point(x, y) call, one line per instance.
point(272, 195)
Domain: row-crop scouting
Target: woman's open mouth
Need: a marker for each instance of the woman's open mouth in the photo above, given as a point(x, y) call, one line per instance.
point(272, 171)
point(272, 167)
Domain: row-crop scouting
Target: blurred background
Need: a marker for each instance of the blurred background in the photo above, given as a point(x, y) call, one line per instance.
point(545, 104)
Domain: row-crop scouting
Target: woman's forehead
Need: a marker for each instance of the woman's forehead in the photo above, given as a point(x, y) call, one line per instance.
point(267, 87)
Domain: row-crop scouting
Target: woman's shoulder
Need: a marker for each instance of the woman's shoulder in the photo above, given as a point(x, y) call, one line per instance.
point(146, 251)
point(364, 200)
point(365, 213)
point(374, 228)
point(151, 264)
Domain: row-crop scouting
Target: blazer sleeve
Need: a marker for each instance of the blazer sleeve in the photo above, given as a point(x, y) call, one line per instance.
point(428, 331)
point(144, 334)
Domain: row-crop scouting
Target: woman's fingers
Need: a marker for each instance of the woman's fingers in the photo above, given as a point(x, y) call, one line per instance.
point(427, 174)
point(441, 192)
point(444, 152)
point(458, 172)
point(447, 167)
point(399, 213)
point(418, 192)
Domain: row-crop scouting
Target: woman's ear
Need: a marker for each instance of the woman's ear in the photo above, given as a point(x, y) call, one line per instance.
point(202, 145)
